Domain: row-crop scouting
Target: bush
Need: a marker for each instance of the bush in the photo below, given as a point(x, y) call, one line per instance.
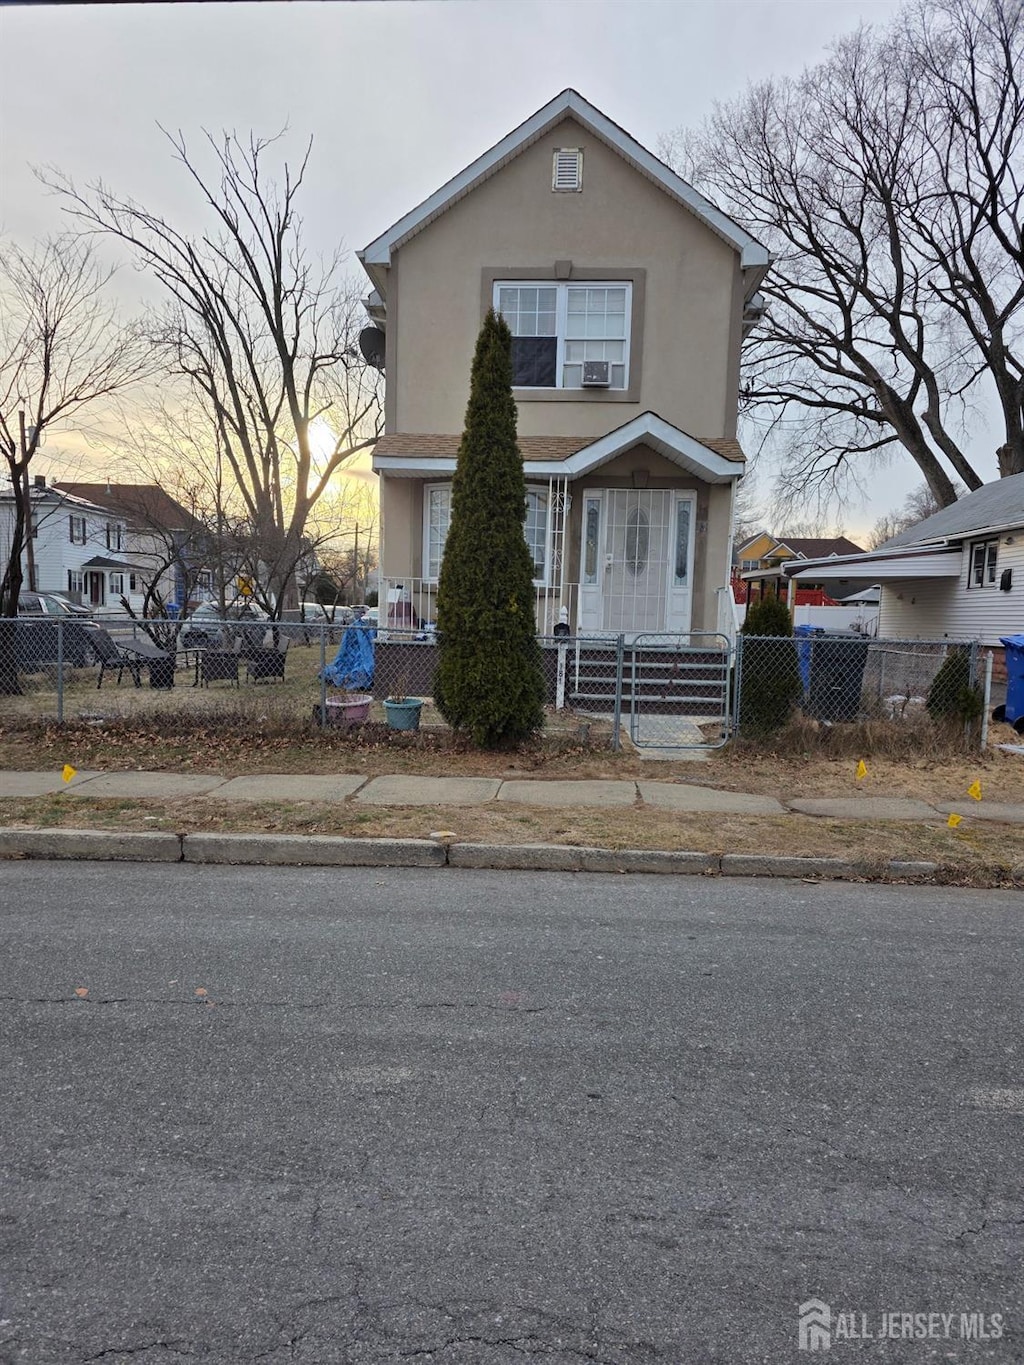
point(489, 682)
point(770, 685)
point(951, 696)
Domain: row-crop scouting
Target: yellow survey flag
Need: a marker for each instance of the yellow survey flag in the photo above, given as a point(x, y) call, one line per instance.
point(862, 769)
point(67, 772)
point(975, 789)
point(954, 820)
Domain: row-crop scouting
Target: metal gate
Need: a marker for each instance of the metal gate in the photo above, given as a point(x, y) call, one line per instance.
point(676, 689)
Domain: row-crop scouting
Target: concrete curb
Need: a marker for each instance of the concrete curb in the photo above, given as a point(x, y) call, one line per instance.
point(325, 851)
point(92, 844)
point(310, 850)
point(301, 850)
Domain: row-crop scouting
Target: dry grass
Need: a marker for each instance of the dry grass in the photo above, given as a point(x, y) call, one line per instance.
point(977, 854)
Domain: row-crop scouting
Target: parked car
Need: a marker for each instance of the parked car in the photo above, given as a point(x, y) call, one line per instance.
point(49, 604)
point(38, 640)
point(205, 625)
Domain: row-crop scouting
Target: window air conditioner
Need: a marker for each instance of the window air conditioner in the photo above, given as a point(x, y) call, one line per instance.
point(596, 374)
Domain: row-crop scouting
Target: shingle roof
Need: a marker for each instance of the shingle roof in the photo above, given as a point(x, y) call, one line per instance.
point(445, 446)
point(995, 504)
point(820, 547)
point(147, 504)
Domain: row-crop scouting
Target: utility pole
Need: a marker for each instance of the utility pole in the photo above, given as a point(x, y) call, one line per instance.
point(30, 549)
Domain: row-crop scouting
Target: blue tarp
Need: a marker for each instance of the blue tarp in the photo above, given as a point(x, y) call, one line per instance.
point(352, 666)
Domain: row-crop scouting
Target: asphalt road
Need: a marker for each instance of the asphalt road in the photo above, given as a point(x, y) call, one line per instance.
point(476, 1118)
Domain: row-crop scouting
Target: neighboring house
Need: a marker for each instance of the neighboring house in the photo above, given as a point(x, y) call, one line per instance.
point(628, 295)
point(760, 560)
point(957, 574)
point(155, 543)
point(76, 545)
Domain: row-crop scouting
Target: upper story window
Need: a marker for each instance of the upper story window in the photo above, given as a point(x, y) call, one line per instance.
point(559, 331)
point(77, 530)
point(114, 537)
point(982, 573)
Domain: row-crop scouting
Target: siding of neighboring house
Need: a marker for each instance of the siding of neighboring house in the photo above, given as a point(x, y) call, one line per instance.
point(936, 609)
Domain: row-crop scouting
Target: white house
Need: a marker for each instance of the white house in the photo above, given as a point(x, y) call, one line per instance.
point(77, 548)
point(958, 574)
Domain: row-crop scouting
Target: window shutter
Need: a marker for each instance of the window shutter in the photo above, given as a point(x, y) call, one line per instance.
point(567, 171)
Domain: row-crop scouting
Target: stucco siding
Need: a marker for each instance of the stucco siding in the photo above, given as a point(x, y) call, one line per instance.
point(620, 221)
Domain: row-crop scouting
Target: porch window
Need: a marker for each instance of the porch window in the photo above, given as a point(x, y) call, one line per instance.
point(982, 572)
point(682, 574)
point(76, 581)
point(557, 327)
point(116, 584)
point(592, 524)
point(437, 514)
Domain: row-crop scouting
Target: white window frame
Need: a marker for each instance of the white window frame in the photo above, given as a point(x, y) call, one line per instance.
point(76, 520)
point(430, 576)
point(115, 583)
point(989, 568)
point(76, 581)
point(114, 535)
point(561, 288)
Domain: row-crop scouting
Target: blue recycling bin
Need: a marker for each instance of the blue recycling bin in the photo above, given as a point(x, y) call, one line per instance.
point(803, 652)
point(1014, 646)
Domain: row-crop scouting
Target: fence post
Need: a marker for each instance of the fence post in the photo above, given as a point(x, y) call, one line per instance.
point(737, 685)
point(323, 675)
point(986, 700)
point(60, 671)
point(620, 650)
point(972, 681)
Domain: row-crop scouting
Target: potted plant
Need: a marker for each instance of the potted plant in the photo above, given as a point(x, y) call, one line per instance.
point(401, 711)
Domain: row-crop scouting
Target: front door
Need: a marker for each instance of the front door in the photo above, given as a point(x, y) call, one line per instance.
point(637, 560)
point(95, 588)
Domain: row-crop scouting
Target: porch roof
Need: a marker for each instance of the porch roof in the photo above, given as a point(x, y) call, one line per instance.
point(892, 565)
point(99, 562)
point(425, 455)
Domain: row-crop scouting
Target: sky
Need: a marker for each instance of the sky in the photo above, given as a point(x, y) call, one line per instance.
point(397, 96)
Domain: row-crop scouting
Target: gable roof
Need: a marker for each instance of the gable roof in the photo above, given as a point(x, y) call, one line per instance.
point(754, 258)
point(819, 547)
point(145, 504)
point(715, 459)
point(804, 547)
point(993, 507)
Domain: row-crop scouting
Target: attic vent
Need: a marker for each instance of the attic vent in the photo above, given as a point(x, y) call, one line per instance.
point(567, 170)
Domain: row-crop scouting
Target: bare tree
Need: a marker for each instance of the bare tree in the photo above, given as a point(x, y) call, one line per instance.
point(917, 505)
point(62, 351)
point(264, 338)
point(887, 182)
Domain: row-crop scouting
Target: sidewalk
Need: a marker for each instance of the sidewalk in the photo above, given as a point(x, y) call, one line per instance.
point(678, 797)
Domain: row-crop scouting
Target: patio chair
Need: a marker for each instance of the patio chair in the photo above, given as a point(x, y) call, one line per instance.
point(266, 661)
point(110, 655)
point(219, 665)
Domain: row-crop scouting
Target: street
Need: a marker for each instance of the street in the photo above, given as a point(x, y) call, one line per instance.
point(473, 1118)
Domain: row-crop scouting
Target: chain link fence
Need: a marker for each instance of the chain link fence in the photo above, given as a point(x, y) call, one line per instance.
point(204, 671)
point(835, 679)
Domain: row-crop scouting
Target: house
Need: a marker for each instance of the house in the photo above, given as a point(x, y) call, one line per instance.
point(76, 546)
point(155, 548)
point(958, 574)
point(628, 295)
point(759, 562)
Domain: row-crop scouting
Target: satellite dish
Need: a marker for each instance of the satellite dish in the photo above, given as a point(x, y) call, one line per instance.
point(371, 343)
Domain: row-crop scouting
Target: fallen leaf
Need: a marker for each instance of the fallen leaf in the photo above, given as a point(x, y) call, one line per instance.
point(201, 990)
point(81, 992)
